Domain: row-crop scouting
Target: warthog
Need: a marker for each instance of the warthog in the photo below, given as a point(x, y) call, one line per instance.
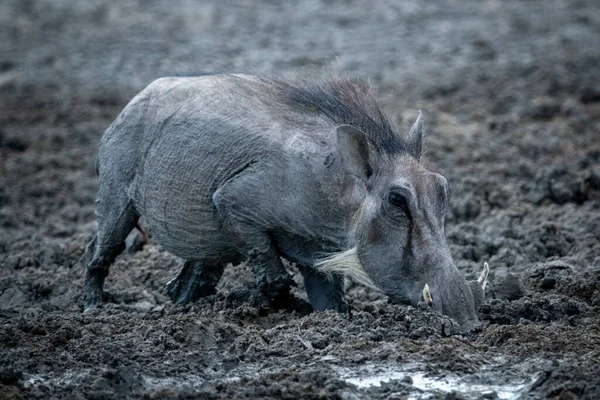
point(231, 168)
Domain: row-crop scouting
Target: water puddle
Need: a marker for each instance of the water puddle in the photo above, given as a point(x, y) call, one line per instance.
point(470, 386)
point(427, 383)
point(54, 379)
point(187, 380)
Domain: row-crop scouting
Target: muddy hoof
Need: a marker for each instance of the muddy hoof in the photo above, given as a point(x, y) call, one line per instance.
point(91, 309)
point(253, 296)
point(173, 290)
point(92, 291)
point(182, 291)
point(247, 295)
point(343, 308)
point(135, 242)
point(92, 299)
point(278, 289)
point(192, 283)
point(300, 306)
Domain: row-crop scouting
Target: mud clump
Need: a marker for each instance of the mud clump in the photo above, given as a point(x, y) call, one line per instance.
point(528, 310)
point(559, 185)
point(510, 287)
point(543, 109)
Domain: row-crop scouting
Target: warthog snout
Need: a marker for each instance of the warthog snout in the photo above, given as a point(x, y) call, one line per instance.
point(457, 298)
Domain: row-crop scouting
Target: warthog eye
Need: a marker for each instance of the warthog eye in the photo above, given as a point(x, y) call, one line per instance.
point(399, 201)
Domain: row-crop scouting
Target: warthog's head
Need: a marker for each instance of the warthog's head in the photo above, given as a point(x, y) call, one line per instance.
point(398, 230)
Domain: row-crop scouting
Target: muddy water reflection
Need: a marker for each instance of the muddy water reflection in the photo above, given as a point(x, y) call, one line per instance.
point(427, 383)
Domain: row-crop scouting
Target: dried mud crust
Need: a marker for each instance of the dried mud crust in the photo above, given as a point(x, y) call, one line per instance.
point(512, 104)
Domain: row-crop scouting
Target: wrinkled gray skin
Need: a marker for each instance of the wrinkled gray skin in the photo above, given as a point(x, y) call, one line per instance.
point(227, 168)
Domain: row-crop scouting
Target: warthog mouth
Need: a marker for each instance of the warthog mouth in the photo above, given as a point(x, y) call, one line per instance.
point(481, 282)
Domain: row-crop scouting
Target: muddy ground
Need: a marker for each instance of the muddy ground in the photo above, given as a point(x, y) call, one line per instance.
point(511, 96)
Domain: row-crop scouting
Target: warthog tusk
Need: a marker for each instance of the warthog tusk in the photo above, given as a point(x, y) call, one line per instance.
point(484, 274)
point(427, 295)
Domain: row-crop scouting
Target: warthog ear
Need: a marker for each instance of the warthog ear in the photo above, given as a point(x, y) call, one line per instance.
point(355, 152)
point(415, 137)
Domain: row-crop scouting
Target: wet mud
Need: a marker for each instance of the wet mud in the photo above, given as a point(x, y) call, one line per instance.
point(511, 98)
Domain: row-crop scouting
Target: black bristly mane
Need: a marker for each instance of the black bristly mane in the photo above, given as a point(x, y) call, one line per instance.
point(344, 102)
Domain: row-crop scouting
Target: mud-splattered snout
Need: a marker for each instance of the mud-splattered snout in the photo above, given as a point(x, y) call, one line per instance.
point(452, 295)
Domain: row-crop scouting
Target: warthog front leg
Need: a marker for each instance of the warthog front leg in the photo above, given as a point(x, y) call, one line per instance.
point(244, 216)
